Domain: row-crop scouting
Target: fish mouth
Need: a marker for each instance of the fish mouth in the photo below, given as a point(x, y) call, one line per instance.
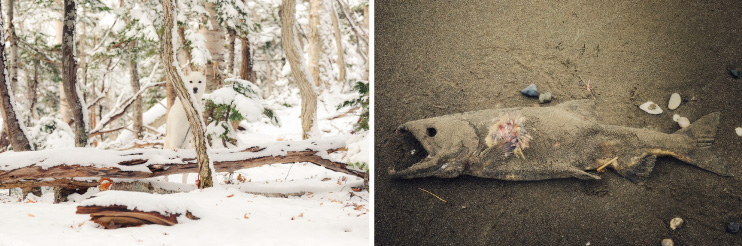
point(423, 163)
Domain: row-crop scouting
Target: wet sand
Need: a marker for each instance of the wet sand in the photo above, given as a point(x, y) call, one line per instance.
point(441, 57)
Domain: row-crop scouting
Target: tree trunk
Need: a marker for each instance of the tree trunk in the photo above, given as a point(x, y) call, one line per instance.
point(215, 45)
point(64, 107)
point(314, 40)
point(231, 36)
point(69, 74)
point(246, 71)
point(184, 53)
point(16, 132)
point(137, 105)
point(31, 92)
point(298, 70)
point(339, 45)
point(368, 50)
point(174, 76)
point(137, 165)
point(13, 47)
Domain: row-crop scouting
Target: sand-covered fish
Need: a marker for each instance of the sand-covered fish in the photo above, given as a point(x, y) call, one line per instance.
point(537, 143)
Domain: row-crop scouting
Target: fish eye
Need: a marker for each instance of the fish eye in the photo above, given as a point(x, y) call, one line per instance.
point(431, 132)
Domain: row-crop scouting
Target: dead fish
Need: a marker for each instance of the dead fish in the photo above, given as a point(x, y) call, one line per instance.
point(538, 143)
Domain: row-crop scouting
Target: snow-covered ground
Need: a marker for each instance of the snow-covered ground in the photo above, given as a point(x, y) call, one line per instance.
point(319, 206)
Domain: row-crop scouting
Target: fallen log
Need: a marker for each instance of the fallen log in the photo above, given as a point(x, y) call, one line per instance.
point(55, 167)
point(116, 209)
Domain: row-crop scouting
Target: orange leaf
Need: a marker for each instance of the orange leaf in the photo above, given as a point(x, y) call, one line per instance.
point(31, 215)
point(105, 184)
point(301, 215)
point(231, 195)
point(245, 216)
point(357, 189)
point(344, 178)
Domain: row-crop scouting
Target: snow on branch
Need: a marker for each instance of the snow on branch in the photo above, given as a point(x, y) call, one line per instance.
point(19, 169)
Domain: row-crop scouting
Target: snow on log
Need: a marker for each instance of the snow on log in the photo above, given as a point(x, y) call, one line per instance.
point(116, 209)
point(55, 166)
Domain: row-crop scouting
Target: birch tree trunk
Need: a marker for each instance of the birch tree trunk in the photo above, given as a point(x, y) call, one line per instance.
point(246, 71)
point(368, 49)
point(173, 75)
point(69, 74)
point(215, 45)
point(339, 45)
point(16, 132)
point(298, 70)
point(314, 41)
point(137, 105)
point(13, 47)
point(231, 36)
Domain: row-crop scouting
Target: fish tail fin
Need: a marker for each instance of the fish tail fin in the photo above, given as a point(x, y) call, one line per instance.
point(703, 132)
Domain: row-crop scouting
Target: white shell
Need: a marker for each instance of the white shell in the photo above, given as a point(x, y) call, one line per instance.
point(683, 122)
point(675, 117)
point(651, 107)
point(667, 242)
point(739, 131)
point(674, 101)
point(676, 223)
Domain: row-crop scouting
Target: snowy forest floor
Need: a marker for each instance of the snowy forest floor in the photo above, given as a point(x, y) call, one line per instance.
point(321, 207)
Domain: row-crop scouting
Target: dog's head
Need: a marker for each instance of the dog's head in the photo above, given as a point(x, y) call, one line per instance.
point(195, 82)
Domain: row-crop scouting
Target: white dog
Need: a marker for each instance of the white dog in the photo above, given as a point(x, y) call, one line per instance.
point(179, 134)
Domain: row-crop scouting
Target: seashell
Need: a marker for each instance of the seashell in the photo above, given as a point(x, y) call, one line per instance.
point(674, 101)
point(675, 117)
point(739, 131)
point(667, 242)
point(675, 223)
point(651, 107)
point(683, 122)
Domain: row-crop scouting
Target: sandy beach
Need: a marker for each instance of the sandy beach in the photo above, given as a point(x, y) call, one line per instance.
point(436, 58)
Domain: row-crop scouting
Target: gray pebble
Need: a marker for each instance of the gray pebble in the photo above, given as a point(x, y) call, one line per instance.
point(530, 91)
point(733, 227)
point(734, 73)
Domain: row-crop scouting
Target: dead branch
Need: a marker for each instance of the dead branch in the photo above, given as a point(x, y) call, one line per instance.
point(120, 109)
point(36, 168)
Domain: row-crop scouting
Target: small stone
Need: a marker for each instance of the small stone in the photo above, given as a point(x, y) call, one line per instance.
point(530, 91)
point(675, 223)
point(734, 73)
point(545, 98)
point(674, 101)
point(675, 117)
point(733, 227)
point(667, 242)
point(683, 122)
point(739, 131)
point(651, 107)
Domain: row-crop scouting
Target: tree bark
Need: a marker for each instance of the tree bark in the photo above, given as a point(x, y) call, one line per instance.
point(13, 47)
point(339, 45)
point(368, 50)
point(174, 76)
point(215, 45)
point(231, 36)
point(298, 70)
point(314, 40)
point(69, 74)
point(137, 105)
point(246, 71)
point(33, 84)
point(16, 132)
point(64, 107)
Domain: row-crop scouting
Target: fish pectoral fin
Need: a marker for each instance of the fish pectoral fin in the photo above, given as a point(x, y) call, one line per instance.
point(637, 168)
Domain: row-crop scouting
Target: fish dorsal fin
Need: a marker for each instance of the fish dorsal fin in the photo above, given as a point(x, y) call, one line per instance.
point(583, 107)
